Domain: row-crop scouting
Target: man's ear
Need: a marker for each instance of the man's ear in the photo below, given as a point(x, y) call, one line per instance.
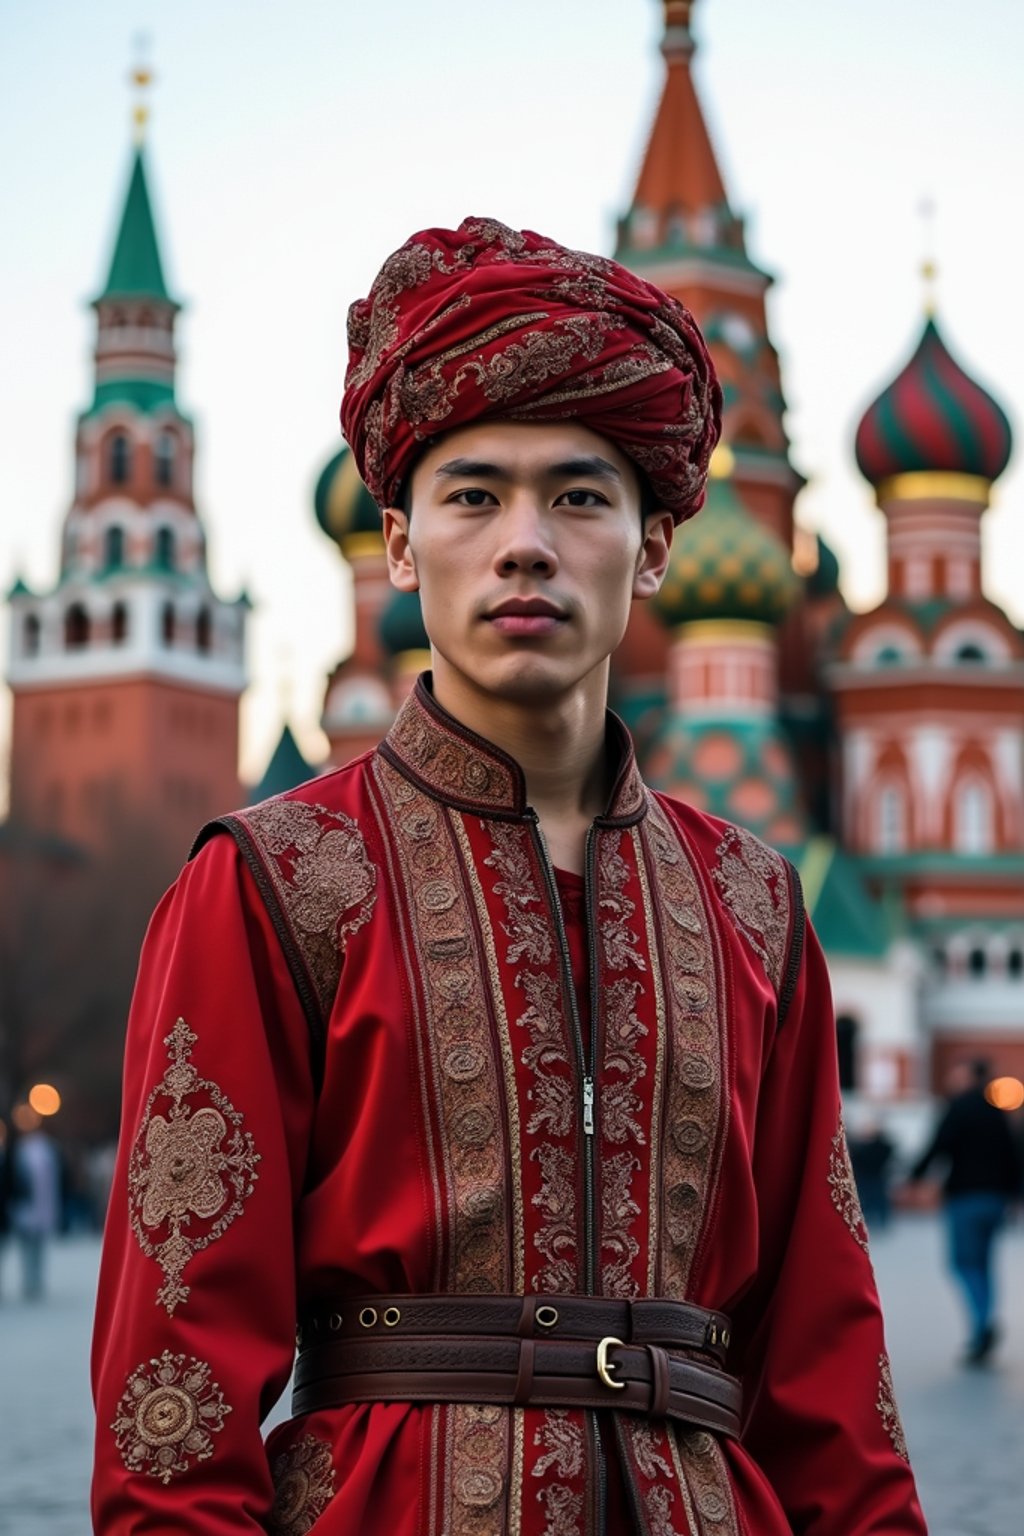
point(401, 563)
point(652, 561)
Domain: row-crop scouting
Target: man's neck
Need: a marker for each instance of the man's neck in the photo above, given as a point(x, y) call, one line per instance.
point(559, 744)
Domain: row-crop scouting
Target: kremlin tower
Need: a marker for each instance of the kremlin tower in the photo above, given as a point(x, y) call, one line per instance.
point(126, 675)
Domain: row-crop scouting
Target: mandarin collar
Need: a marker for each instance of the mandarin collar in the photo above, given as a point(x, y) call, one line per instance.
point(453, 764)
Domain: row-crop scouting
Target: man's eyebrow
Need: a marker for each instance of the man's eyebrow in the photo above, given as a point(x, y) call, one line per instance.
point(588, 465)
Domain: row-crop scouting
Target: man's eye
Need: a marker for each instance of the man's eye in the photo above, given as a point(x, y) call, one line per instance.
point(474, 497)
point(584, 499)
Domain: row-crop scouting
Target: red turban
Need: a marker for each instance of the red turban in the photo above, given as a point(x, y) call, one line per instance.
point(490, 323)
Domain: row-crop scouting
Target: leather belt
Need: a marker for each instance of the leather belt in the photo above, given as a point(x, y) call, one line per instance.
point(563, 1351)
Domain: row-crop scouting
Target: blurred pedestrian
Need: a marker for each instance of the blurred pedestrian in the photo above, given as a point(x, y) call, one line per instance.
point(871, 1154)
point(36, 1203)
point(982, 1176)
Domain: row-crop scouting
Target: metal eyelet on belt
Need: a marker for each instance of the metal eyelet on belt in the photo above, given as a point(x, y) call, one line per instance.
point(726, 1337)
point(546, 1317)
point(391, 1317)
point(368, 1316)
point(334, 1321)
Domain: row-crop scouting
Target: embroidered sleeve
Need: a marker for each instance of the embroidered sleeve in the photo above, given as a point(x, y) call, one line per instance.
point(195, 1316)
point(761, 892)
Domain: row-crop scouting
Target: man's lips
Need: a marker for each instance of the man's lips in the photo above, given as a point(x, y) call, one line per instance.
point(526, 616)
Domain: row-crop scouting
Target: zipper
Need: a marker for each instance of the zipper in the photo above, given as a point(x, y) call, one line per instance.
point(587, 1067)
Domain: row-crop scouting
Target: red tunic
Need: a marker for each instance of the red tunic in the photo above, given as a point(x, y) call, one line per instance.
point(357, 1062)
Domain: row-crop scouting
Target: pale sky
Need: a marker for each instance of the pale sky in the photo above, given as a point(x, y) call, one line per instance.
point(291, 147)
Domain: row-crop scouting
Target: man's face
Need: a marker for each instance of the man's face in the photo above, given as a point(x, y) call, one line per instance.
point(527, 546)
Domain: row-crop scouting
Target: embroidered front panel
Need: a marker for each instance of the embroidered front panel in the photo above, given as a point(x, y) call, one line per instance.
point(546, 1089)
point(887, 1409)
point(696, 1096)
point(754, 886)
point(478, 1450)
point(191, 1169)
point(630, 1053)
point(461, 1059)
point(654, 1473)
point(843, 1188)
point(166, 1418)
point(558, 1473)
point(324, 882)
point(706, 1474)
point(303, 1478)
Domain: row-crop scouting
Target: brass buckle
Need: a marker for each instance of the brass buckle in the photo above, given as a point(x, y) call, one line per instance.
point(606, 1366)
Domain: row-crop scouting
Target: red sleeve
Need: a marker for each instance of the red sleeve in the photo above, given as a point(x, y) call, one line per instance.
point(195, 1321)
point(822, 1421)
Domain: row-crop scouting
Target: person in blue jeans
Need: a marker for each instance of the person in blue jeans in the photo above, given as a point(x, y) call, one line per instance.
point(983, 1175)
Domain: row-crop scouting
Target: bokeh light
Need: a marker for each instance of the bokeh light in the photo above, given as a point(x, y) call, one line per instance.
point(44, 1099)
point(1005, 1093)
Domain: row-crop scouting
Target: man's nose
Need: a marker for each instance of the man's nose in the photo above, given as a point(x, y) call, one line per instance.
point(526, 542)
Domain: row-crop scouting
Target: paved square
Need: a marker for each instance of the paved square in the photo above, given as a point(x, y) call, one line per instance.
point(964, 1428)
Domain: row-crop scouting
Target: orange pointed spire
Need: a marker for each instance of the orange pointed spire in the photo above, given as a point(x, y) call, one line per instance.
point(679, 178)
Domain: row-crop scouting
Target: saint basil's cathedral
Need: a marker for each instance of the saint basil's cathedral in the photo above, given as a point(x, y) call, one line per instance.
point(883, 752)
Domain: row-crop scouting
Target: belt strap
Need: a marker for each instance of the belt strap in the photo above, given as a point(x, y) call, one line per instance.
point(647, 1320)
point(443, 1349)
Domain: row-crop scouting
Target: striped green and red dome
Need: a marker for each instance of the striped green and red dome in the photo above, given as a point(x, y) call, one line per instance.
point(933, 417)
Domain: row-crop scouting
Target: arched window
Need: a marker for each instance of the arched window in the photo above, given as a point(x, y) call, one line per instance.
point(970, 651)
point(163, 459)
point(204, 630)
point(973, 818)
point(30, 635)
point(120, 459)
point(119, 623)
point(1015, 964)
point(165, 549)
point(167, 624)
point(977, 962)
point(888, 656)
point(846, 1045)
point(76, 627)
point(113, 545)
point(892, 819)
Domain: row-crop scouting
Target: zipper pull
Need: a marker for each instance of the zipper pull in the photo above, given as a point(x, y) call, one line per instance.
point(588, 1106)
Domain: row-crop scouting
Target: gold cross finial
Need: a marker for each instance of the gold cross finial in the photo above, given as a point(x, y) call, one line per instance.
point(141, 78)
point(929, 268)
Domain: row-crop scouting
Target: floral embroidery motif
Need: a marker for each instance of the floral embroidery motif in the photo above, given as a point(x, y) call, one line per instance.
point(166, 1416)
point(461, 1081)
point(754, 887)
point(843, 1188)
point(617, 940)
point(449, 765)
point(659, 1511)
point(303, 1478)
point(646, 1439)
point(560, 1437)
point(194, 1165)
point(563, 1509)
point(479, 1441)
point(528, 931)
point(696, 1103)
point(326, 885)
point(890, 1414)
point(708, 1478)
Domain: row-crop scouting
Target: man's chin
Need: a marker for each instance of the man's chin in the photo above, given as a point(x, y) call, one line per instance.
point(527, 680)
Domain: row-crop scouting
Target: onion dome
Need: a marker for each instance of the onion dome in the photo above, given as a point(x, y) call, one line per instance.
point(933, 417)
point(401, 625)
point(726, 565)
point(344, 507)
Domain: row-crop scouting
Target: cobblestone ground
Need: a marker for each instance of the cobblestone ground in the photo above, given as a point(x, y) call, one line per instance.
point(963, 1427)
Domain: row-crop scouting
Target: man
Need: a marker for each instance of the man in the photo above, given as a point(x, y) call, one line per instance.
point(974, 1140)
point(514, 1081)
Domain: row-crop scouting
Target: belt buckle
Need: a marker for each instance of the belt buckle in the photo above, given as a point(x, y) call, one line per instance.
point(606, 1366)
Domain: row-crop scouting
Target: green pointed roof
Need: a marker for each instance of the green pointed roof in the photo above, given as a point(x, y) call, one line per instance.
point(287, 769)
point(846, 917)
point(136, 270)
